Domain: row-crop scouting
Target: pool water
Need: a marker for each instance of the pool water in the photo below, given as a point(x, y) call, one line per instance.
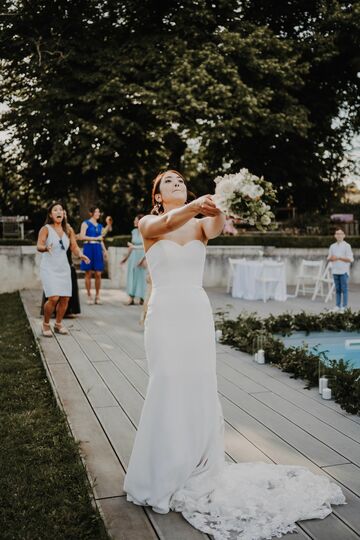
point(333, 343)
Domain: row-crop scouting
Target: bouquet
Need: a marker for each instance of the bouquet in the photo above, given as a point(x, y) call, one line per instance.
point(247, 197)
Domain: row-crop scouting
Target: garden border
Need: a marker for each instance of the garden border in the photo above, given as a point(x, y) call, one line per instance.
point(244, 331)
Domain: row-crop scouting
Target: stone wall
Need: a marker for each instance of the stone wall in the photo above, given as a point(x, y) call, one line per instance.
point(19, 268)
point(19, 265)
point(217, 265)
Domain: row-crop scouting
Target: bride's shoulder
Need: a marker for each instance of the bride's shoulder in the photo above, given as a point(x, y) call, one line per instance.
point(149, 225)
point(146, 219)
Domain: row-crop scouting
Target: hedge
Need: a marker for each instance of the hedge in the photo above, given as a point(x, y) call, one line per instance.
point(16, 242)
point(281, 241)
point(344, 380)
point(276, 240)
point(118, 241)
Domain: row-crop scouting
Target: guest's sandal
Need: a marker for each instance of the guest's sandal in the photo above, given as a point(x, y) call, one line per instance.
point(46, 330)
point(60, 329)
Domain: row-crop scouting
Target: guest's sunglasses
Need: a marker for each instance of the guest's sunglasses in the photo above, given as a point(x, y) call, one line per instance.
point(61, 244)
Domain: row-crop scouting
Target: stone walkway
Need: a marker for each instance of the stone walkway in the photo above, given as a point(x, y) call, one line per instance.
point(99, 376)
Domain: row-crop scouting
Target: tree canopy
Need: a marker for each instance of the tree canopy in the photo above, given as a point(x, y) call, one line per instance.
point(103, 94)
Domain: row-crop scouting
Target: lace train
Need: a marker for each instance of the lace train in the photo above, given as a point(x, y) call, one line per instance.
point(253, 501)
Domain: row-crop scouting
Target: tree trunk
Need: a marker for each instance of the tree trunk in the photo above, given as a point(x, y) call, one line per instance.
point(88, 194)
point(177, 148)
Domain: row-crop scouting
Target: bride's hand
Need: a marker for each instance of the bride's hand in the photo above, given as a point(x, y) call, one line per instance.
point(206, 206)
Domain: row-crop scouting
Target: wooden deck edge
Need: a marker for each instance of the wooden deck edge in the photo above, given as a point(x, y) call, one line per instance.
point(97, 503)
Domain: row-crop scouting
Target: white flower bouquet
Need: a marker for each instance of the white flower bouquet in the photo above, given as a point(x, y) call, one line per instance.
point(247, 197)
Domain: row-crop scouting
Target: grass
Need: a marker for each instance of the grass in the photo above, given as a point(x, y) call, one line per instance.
point(44, 492)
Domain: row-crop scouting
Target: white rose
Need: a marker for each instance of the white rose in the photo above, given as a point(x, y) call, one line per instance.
point(239, 184)
point(225, 188)
point(247, 190)
point(220, 202)
point(265, 220)
point(258, 190)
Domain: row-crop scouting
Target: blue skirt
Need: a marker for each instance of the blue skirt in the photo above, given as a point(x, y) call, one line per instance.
point(136, 276)
point(95, 254)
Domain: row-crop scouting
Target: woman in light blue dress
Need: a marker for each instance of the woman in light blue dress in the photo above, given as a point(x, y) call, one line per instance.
point(136, 273)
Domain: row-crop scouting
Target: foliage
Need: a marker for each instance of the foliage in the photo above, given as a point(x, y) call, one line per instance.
point(118, 241)
point(280, 241)
point(344, 380)
point(44, 490)
point(102, 94)
point(326, 34)
point(15, 242)
point(345, 384)
point(272, 240)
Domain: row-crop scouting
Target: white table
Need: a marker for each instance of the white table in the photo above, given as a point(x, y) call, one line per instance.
point(249, 277)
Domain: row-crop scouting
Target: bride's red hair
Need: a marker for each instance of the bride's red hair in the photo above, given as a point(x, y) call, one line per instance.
point(158, 207)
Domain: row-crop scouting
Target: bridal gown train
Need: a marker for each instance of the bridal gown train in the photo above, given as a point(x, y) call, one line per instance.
point(178, 460)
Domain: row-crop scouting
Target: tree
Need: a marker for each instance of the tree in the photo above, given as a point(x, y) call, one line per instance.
point(103, 94)
point(326, 35)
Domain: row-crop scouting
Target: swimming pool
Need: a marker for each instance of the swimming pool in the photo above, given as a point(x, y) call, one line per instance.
point(333, 343)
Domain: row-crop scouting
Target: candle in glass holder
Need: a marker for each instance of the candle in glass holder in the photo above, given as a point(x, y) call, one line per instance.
point(322, 384)
point(261, 356)
point(326, 393)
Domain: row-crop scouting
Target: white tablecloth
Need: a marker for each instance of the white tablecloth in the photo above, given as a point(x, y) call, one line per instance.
point(247, 280)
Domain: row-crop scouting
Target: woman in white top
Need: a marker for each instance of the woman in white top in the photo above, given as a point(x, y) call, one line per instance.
point(53, 241)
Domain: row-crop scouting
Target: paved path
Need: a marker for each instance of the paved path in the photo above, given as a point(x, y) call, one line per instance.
point(99, 374)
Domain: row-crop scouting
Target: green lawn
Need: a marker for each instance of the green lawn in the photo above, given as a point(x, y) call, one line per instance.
point(44, 493)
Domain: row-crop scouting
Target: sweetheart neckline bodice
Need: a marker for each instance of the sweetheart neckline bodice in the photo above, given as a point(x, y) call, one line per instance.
point(176, 243)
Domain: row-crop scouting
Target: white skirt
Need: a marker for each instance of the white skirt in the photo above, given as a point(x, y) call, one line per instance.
point(56, 278)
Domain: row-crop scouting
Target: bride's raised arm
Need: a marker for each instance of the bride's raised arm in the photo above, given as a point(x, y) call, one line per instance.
point(152, 226)
point(213, 226)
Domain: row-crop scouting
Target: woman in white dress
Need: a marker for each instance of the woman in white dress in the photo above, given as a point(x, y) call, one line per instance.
point(53, 242)
point(178, 460)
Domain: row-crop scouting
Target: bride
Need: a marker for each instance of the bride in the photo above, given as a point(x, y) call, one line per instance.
point(178, 459)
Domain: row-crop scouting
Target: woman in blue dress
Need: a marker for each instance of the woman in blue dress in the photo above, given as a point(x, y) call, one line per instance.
point(136, 272)
point(91, 233)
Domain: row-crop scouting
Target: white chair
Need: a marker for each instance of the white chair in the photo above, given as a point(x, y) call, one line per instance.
point(271, 274)
point(232, 264)
point(308, 276)
point(326, 280)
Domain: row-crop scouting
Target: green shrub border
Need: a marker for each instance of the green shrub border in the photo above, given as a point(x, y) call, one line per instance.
point(269, 239)
point(276, 240)
point(344, 380)
point(280, 241)
point(16, 242)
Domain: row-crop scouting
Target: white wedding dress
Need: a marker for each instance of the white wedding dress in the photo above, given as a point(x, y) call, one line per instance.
point(178, 462)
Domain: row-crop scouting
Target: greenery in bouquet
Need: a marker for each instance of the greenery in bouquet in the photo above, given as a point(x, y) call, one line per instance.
point(246, 197)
